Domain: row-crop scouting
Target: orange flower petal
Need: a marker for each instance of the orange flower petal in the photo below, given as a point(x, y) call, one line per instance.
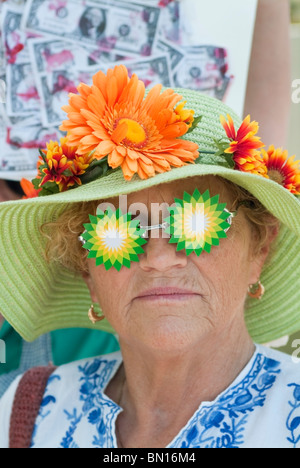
point(28, 189)
point(147, 168)
point(161, 167)
point(94, 105)
point(121, 150)
point(84, 90)
point(89, 140)
point(152, 97)
point(115, 159)
point(132, 164)
point(174, 131)
point(133, 154)
point(128, 173)
point(99, 81)
point(119, 133)
point(104, 148)
point(112, 91)
point(141, 173)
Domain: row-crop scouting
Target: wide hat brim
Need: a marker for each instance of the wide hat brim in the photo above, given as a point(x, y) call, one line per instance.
point(37, 297)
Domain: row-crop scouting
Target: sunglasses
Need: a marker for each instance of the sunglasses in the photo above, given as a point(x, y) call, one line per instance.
point(195, 223)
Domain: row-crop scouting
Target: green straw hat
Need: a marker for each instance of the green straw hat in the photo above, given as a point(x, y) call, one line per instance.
point(37, 297)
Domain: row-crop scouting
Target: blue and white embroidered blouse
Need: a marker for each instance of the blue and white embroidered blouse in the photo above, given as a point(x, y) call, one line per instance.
point(260, 409)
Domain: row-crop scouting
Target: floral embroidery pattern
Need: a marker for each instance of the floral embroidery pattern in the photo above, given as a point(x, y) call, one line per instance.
point(293, 420)
point(222, 424)
point(97, 409)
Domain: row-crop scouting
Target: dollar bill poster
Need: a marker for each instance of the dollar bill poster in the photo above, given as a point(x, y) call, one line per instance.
point(47, 47)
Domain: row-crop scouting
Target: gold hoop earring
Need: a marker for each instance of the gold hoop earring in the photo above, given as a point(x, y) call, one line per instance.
point(93, 316)
point(256, 291)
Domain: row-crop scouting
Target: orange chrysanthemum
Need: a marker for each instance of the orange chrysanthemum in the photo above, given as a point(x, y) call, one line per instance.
point(282, 169)
point(57, 163)
point(244, 145)
point(141, 134)
point(62, 165)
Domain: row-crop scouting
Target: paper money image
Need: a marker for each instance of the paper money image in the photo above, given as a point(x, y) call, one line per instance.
point(115, 25)
point(20, 141)
point(47, 47)
point(174, 53)
point(204, 68)
point(54, 92)
point(152, 71)
point(2, 90)
point(35, 137)
point(48, 54)
point(169, 27)
point(55, 65)
point(22, 94)
point(59, 66)
point(14, 39)
point(54, 89)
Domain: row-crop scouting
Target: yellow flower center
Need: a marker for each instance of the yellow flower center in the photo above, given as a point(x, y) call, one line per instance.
point(135, 132)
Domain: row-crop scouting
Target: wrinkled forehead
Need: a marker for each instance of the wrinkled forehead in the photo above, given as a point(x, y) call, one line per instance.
point(151, 205)
point(166, 193)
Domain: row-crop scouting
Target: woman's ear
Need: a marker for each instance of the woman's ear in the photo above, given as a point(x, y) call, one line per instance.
point(90, 284)
point(261, 257)
point(272, 234)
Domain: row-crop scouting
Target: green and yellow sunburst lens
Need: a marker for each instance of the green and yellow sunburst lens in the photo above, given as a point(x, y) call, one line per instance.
point(113, 239)
point(197, 222)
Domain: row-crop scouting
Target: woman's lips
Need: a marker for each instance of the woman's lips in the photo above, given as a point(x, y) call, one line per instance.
point(166, 294)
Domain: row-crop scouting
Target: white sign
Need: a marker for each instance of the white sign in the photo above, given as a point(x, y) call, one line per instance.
point(225, 24)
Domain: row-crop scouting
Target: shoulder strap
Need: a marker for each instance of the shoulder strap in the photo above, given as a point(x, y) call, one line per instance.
point(26, 405)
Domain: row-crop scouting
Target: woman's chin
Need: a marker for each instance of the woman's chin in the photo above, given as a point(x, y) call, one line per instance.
point(170, 333)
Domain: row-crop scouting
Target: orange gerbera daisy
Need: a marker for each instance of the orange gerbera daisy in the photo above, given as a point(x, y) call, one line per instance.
point(244, 145)
point(282, 169)
point(141, 134)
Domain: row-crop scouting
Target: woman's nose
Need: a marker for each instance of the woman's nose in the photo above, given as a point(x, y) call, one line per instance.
point(161, 255)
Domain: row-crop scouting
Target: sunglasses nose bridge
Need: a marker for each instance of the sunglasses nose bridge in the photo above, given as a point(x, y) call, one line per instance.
point(155, 227)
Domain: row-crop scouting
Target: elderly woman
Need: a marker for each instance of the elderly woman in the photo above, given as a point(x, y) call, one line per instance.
point(184, 235)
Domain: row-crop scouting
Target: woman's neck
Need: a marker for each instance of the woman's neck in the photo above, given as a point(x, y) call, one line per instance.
point(160, 392)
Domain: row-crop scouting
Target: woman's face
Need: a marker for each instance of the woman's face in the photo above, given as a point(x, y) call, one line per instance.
point(210, 290)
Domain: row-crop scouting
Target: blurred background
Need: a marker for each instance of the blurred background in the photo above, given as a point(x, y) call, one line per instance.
point(294, 140)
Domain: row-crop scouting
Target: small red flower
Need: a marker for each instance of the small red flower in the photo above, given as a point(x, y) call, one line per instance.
point(282, 169)
point(244, 145)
